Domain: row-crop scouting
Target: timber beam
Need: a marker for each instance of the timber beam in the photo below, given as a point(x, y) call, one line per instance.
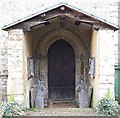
point(62, 13)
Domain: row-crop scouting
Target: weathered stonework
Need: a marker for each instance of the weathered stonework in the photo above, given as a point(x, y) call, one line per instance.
point(3, 87)
point(106, 62)
point(12, 48)
point(43, 39)
point(15, 65)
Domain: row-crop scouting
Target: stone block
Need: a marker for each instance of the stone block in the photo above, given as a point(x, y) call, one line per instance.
point(16, 88)
point(19, 98)
point(103, 89)
point(106, 79)
point(3, 86)
point(13, 74)
point(107, 70)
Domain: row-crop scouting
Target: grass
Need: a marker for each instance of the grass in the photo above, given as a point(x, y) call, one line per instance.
point(32, 109)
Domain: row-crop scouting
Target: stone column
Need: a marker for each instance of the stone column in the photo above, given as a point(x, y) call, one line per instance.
point(15, 82)
point(94, 82)
point(77, 76)
point(106, 62)
point(43, 77)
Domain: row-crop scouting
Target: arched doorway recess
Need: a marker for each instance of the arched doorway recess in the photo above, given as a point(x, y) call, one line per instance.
point(79, 52)
point(61, 71)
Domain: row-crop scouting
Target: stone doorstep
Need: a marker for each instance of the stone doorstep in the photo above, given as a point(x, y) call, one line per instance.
point(67, 117)
point(67, 113)
point(62, 104)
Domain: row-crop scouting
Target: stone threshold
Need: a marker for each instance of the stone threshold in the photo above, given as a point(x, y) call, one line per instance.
point(66, 113)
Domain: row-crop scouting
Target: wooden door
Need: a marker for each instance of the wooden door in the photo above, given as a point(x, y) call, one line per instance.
point(61, 71)
point(117, 83)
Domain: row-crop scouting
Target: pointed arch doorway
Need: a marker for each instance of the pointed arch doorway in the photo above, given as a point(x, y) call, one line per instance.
point(61, 71)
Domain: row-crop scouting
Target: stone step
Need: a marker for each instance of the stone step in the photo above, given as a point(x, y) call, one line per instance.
point(62, 104)
point(66, 113)
point(75, 117)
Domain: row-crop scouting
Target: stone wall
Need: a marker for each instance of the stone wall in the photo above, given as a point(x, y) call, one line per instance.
point(15, 82)
point(3, 87)
point(106, 62)
point(3, 65)
point(108, 8)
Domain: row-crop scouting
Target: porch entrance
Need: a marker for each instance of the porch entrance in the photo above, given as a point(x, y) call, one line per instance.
point(61, 71)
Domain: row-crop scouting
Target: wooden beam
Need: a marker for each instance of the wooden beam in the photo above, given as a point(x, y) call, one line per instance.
point(70, 14)
point(28, 25)
point(96, 26)
point(84, 20)
point(61, 11)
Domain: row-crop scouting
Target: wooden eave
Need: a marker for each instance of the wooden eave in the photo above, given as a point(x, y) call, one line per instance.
point(60, 11)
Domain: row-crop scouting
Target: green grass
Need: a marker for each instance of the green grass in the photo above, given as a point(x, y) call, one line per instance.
point(32, 109)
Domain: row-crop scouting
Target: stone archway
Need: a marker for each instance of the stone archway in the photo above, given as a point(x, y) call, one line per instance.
point(41, 49)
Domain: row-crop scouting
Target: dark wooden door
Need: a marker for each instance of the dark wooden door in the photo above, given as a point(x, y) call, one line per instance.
point(61, 71)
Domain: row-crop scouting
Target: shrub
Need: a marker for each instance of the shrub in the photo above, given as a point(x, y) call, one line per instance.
point(10, 109)
point(107, 106)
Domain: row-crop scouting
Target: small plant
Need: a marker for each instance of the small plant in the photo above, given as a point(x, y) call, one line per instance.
point(107, 106)
point(108, 93)
point(11, 99)
point(10, 109)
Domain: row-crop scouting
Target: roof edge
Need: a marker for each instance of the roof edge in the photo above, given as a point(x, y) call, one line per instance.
point(32, 15)
point(54, 7)
point(94, 16)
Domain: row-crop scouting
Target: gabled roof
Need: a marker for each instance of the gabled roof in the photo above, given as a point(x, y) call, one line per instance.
point(98, 18)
